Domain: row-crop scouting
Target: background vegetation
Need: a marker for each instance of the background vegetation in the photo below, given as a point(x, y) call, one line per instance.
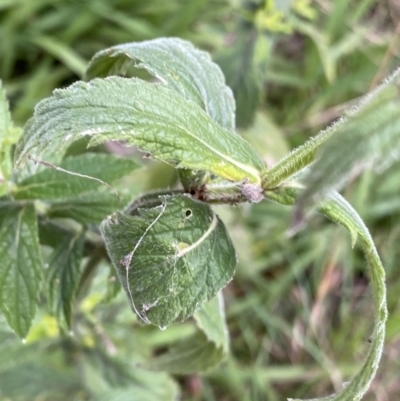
point(298, 309)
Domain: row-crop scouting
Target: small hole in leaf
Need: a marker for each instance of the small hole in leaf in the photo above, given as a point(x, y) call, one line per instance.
point(188, 213)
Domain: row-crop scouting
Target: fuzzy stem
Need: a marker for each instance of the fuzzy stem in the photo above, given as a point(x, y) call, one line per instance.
point(295, 161)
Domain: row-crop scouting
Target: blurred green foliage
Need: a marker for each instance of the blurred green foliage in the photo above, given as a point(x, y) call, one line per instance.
point(47, 44)
point(298, 308)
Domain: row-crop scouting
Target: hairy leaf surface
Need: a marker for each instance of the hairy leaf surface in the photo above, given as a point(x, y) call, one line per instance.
point(170, 259)
point(202, 350)
point(179, 65)
point(150, 116)
point(20, 268)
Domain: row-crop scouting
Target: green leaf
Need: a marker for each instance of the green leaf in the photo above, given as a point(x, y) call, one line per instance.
point(51, 233)
point(113, 286)
point(244, 65)
point(88, 208)
point(106, 377)
point(30, 372)
point(36, 380)
point(211, 320)
point(162, 390)
point(5, 116)
point(202, 350)
point(368, 137)
point(150, 116)
point(8, 136)
point(170, 259)
point(338, 210)
point(62, 276)
point(178, 64)
point(55, 184)
point(20, 268)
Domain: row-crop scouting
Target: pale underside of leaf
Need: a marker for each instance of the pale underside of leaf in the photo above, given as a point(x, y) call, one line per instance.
point(179, 65)
point(150, 116)
point(170, 259)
